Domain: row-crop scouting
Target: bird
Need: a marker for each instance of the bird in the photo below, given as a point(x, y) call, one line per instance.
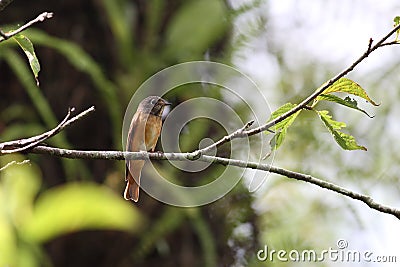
point(144, 131)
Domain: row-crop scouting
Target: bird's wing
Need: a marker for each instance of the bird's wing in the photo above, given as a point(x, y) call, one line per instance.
point(130, 141)
point(131, 133)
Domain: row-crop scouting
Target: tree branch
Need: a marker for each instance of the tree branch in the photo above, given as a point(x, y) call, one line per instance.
point(322, 88)
point(31, 144)
point(236, 134)
point(40, 18)
point(119, 155)
point(244, 132)
point(24, 144)
point(26, 161)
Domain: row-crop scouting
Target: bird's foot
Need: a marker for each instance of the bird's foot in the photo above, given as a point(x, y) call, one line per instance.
point(159, 154)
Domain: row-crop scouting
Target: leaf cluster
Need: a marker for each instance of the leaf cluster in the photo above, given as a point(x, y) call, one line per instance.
point(344, 140)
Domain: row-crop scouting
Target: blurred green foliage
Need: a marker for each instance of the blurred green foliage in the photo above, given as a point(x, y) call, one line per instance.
point(25, 223)
point(123, 44)
point(98, 53)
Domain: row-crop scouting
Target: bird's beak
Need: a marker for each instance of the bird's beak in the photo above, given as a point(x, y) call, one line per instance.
point(167, 103)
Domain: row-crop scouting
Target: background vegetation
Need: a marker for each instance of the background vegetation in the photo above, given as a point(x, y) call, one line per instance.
point(58, 212)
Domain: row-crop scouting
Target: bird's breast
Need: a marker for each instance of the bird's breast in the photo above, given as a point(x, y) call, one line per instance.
point(152, 132)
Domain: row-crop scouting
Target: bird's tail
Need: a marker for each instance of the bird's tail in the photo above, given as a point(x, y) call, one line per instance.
point(132, 185)
point(131, 191)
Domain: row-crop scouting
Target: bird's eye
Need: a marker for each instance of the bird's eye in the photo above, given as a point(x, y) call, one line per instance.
point(153, 101)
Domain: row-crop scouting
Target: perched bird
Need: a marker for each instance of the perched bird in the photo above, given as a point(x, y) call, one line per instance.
point(143, 134)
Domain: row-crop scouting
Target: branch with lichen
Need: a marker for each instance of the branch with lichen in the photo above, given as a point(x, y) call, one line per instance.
point(7, 35)
point(33, 144)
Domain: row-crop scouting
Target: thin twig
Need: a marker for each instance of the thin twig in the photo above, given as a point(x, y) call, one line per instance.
point(242, 132)
point(322, 88)
point(225, 139)
point(24, 144)
point(26, 161)
point(77, 117)
point(40, 18)
point(119, 155)
point(391, 43)
point(27, 143)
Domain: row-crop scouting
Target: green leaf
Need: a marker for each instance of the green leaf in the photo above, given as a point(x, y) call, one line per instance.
point(346, 141)
point(82, 61)
point(76, 207)
point(19, 183)
point(281, 127)
point(27, 46)
point(345, 85)
point(347, 101)
point(396, 23)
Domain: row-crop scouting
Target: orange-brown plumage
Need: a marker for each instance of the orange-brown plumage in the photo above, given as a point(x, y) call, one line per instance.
point(143, 134)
